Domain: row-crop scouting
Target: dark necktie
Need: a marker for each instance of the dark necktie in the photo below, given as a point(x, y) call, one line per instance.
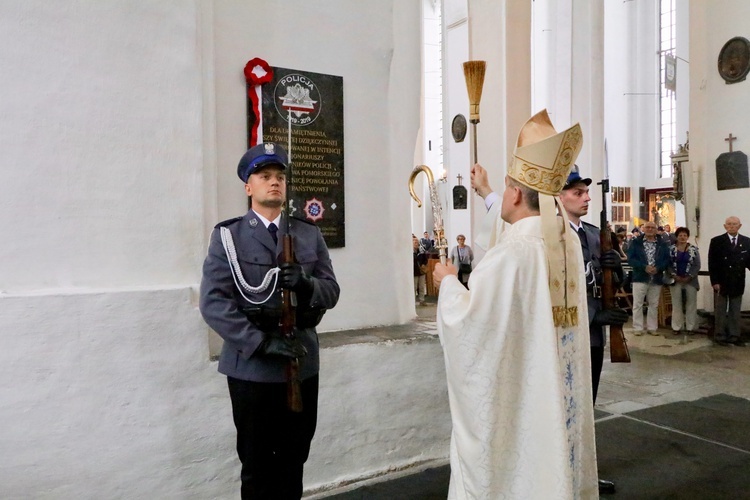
point(582, 237)
point(734, 241)
point(584, 244)
point(272, 229)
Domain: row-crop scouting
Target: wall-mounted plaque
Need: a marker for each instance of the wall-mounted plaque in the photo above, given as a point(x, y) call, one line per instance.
point(734, 60)
point(731, 171)
point(313, 105)
point(460, 197)
point(458, 127)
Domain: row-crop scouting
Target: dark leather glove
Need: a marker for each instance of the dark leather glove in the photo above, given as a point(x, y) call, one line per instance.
point(293, 277)
point(611, 260)
point(610, 317)
point(278, 345)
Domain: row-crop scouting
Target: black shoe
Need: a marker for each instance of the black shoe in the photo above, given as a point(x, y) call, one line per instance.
point(606, 487)
point(739, 343)
point(722, 342)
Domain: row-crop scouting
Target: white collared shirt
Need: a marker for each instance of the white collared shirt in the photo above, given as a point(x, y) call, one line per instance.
point(576, 228)
point(267, 222)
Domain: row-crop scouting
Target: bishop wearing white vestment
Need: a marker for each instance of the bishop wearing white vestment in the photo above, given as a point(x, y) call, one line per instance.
point(517, 358)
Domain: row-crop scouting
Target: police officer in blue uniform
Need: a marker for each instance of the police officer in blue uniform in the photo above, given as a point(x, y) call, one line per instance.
point(575, 199)
point(240, 298)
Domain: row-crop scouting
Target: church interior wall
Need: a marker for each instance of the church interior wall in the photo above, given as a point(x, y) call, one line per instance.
point(682, 94)
point(716, 110)
point(500, 33)
point(120, 141)
point(457, 155)
point(586, 98)
point(645, 97)
point(380, 66)
point(93, 139)
point(384, 407)
point(618, 78)
point(631, 97)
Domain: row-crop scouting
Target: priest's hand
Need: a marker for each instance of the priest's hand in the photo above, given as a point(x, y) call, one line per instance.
point(441, 271)
point(479, 181)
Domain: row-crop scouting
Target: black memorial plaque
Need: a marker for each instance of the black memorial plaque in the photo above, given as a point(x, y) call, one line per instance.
point(731, 171)
point(315, 104)
point(460, 197)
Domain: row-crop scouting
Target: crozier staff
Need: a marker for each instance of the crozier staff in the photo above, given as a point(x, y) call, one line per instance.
point(516, 344)
point(240, 298)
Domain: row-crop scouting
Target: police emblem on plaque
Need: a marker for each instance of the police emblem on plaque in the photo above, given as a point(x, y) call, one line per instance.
point(314, 209)
point(297, 99)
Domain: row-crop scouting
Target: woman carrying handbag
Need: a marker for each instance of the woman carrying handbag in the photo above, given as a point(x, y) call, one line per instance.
point(462, 257)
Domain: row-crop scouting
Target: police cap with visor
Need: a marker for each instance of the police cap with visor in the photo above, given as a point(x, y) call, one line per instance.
point(259, 156)
point(574, 178)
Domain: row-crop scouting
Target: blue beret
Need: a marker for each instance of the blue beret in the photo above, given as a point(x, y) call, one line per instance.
point(575, 178)
point(259, 156)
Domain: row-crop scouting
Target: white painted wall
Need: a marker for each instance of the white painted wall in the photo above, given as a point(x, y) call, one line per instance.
point(631, 96)
point(458, 159)
point(385, 407)
point(716, 109)
point(101, 140)
point(618, 79)
point(122, 127)
point(499, 33)
point(375, 47)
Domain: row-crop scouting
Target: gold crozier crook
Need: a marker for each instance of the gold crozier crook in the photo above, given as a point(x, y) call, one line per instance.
point(437, 210)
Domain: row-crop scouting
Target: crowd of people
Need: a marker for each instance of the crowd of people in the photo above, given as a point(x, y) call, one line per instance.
point(655, 257)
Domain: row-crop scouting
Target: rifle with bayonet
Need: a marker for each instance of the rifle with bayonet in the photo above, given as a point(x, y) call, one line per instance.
point(288, 318)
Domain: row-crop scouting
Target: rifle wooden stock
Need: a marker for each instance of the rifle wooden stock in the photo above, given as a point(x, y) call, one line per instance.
point(286, 325)
point(618, 345)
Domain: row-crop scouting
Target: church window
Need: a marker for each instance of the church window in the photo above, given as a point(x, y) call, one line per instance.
point(667, 41)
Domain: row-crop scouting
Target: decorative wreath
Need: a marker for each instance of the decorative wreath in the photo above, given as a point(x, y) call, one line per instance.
point(253, 79)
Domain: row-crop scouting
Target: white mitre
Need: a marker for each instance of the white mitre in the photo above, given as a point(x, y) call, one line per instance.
point(542, 161)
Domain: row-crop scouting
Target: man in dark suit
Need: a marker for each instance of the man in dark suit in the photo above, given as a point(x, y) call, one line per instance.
point(273, 442)
point(427, 243)
point(670, 237)
point(728, 257)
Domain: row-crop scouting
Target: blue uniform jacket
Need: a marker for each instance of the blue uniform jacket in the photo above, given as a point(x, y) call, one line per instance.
point(596, 333)
point(221, 303)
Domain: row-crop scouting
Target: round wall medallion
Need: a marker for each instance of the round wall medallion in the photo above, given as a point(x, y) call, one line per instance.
point(734, 60)
point(458, 127)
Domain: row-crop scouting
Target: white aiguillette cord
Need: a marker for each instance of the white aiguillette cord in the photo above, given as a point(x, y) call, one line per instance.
point(239, 280)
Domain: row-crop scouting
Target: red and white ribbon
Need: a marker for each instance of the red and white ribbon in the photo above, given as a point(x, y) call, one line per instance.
point(257, 72)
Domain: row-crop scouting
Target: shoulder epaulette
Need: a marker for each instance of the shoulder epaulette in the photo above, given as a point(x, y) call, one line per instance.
point(228, 222)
